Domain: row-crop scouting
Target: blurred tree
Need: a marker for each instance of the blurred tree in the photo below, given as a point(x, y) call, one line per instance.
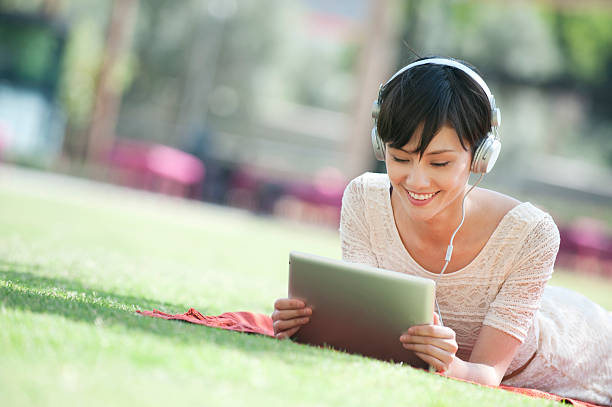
point(585, 39)
point(31, 49)
point(195, 58)
point(83, 62)
point(83, 59)
point(557, 48)
point(21, 5)
point(111, 79)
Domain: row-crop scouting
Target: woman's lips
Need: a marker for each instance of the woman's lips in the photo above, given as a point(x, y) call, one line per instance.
point(420, 202)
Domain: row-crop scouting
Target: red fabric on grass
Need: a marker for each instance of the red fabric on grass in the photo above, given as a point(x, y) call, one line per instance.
point(252, 322)
point(234, 321)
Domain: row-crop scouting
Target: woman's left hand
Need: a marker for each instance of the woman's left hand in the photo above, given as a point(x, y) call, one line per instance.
point(434, 343)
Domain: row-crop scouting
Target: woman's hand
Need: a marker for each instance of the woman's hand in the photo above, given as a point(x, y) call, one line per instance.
point(288, 317)
point(434, 343)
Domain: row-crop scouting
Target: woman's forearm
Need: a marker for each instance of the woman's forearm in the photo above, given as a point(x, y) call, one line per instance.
point(475, 372)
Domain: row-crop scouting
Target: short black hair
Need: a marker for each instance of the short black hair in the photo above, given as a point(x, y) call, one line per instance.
point(434, 96)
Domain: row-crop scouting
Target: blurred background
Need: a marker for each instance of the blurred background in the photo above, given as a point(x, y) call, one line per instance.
point(265, 104)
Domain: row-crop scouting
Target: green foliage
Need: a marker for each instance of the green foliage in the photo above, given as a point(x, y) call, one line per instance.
point(21, 5)
point(588, 37)
point(539, 56)
point(508, 38)
point(532, 41)
point(32, 49)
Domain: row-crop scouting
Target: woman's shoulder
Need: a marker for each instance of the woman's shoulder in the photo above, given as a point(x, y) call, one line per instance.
point(514, 216)
point(367, 197)
point(367, 184)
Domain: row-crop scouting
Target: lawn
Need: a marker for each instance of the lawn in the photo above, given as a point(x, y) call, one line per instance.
point(78, 258)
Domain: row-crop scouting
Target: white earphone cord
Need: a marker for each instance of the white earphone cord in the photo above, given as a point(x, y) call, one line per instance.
point(449, 250)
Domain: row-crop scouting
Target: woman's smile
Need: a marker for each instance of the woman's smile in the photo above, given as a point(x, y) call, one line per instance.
point(420, 199)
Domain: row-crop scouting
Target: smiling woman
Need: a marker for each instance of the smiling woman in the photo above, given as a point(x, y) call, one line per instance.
point(436, 121)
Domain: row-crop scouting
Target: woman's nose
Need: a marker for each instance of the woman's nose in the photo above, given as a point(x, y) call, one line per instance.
point(418, 179)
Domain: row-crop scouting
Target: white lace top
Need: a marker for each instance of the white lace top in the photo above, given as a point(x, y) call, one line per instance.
point(502, 287)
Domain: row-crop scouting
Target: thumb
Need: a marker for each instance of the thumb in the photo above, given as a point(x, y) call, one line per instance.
point(436, 318)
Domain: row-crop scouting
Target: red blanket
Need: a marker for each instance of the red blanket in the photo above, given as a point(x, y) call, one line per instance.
point(262, 324)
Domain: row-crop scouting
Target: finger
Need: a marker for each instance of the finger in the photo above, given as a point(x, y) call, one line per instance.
point(290, 314)
point(446, 345)
point(431, 361)
point(436, 319)
point(288, 333)
point(288, 303)
point(449, 345)
point(283, 325)
point(434, 331)
point(441, 355)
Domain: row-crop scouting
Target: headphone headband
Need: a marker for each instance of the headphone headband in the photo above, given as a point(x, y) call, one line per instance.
point(495, 113)
point(448, 62)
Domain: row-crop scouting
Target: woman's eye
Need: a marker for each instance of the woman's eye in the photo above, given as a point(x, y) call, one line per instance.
point(440, 164)
point(399, 160)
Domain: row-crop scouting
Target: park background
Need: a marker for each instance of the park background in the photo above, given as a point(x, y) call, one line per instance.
point(168, 154)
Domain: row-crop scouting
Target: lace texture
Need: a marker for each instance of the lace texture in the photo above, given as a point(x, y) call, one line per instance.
point(503, 287)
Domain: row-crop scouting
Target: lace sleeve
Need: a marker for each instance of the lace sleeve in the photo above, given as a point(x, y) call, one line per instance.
point(354, 229)
point(520, 295)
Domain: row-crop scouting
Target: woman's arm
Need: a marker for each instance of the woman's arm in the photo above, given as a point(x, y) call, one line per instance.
point(436, 345)
point(492, 354)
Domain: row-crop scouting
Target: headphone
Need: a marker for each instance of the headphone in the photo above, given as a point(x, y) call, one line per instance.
point(488, 150)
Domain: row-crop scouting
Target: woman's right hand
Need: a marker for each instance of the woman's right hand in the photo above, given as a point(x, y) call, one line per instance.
point(288, 317)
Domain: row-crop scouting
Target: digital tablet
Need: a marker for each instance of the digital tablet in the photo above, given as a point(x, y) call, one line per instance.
point(358, 308)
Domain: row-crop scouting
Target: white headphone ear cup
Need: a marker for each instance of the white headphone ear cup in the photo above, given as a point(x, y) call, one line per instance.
point(377, 145)
point(486, 155)
point(496, 118)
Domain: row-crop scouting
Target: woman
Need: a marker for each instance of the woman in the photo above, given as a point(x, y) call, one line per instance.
point(502, 324)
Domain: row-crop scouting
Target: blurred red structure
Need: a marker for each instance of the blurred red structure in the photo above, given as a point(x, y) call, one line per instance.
point(156, 167)
point(586, 246)
point(164, 169)
point(316, 201)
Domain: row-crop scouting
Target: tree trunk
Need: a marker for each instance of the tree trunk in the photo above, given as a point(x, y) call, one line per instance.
point(376, 61)
point(108, 95)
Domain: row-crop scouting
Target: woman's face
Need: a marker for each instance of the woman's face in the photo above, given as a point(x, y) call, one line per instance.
point(426, 186)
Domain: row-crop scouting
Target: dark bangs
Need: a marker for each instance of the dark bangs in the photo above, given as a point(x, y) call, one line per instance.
point(433, 96)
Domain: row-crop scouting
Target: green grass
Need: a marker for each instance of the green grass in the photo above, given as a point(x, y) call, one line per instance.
point(76, 261)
